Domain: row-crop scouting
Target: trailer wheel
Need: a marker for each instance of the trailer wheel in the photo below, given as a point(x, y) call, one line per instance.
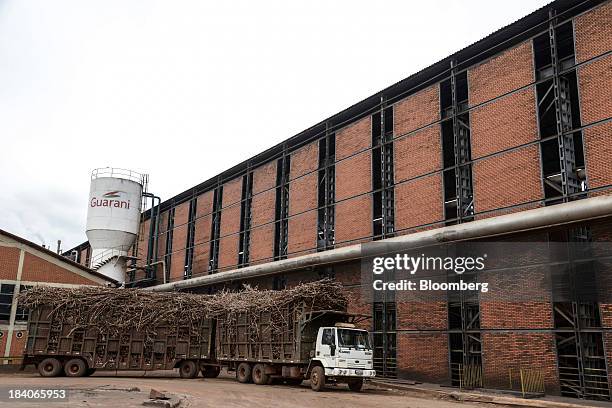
point(259, 375)
point(243, 373)
point(188, 369)
point(211, 371)
point(50, 367)
point(317, 378)
point(356, 384)
point(75, 367)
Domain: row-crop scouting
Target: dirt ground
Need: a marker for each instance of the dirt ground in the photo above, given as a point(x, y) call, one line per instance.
point(132, 389)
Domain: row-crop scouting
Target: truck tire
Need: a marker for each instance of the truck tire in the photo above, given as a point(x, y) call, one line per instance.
point(188, 369)
point(317, 378)
point(259, 375)
point(211, 371)
point(50, 367)
point(356, 384)
point(75, 367)
point(243, 373)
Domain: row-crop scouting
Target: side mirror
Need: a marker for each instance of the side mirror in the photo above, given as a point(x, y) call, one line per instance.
point(332, 349)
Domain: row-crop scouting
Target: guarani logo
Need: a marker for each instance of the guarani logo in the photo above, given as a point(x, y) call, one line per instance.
point(113, 194)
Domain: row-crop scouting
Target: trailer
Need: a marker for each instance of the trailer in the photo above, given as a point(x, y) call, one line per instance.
point(56, 346)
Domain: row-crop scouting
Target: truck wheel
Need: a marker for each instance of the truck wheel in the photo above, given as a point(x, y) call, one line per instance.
point(259, 375)
point(188, 369)
point(243, 373)
point(75, 367)
point(211, 371)
point(356, 384)
point(317, 378)
point(50, 367)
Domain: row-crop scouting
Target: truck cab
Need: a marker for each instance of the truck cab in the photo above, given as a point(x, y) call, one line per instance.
point(343, 354)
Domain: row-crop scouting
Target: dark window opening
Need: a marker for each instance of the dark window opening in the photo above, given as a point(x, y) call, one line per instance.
point(215, 230)
point(6, 301)
point(383, 216)
point(169, 236)
point(188, 272)
point(326, 193)
point(21, 314)
point(245, 220)
point(281, 217)
point(279, 282)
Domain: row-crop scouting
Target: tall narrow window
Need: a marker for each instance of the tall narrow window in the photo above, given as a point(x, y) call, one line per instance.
point(457, 156)
point(281, 217)
point(215, 230)
point(562, 152)
point(382, 174)
point(193, 204)
point(245, 219)
point(169, 236)
point(326, 192)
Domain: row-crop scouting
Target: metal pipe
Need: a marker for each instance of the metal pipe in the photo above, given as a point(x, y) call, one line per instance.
point(560, 214)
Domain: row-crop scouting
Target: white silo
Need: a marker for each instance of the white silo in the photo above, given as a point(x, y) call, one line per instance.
point(113, 218)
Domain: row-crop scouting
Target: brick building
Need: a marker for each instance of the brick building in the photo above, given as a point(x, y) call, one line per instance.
point(520, 120)
point(25, 264)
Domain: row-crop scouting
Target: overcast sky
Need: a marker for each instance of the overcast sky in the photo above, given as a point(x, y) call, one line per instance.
point(183, 90)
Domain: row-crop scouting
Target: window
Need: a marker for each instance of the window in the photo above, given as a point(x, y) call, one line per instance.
point(329, 339)
point(6, 300)
point(22, 313)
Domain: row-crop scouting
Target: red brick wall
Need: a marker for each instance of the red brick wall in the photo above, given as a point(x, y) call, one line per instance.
point(422, 315)
point(303, 227)
point(505, 350)
point(507, 179)
point(598, 151)
point(264, 177)
point(354, 176)
point(179, 241)
point(417, 110)
point(163, 234)
point(18, 343)
point(262, 226)
point(36, 269)
point(423, 356)
point(201, 236)
point(504, 123)
point(232, 192)
point(9, 262)
point(228, 251)
point(143, 241)
point(353, 216)
point(417, 154)
point(304, 160)
point(229, 232)
point(303, 194)
point(354, 220)
point(419, 202)
point(262, 244)
point(594, 86)
point(593, 32)
point(354, 138)
point(505, 72)
point(302, 233)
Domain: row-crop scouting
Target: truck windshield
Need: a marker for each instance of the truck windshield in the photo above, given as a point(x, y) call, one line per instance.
point(357, 339)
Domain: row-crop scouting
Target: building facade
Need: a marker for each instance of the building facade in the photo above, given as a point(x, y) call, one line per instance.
point(518, 121)
point(24, 264)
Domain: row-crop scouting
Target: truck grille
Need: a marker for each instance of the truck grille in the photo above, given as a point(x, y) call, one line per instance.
point(356, 364)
